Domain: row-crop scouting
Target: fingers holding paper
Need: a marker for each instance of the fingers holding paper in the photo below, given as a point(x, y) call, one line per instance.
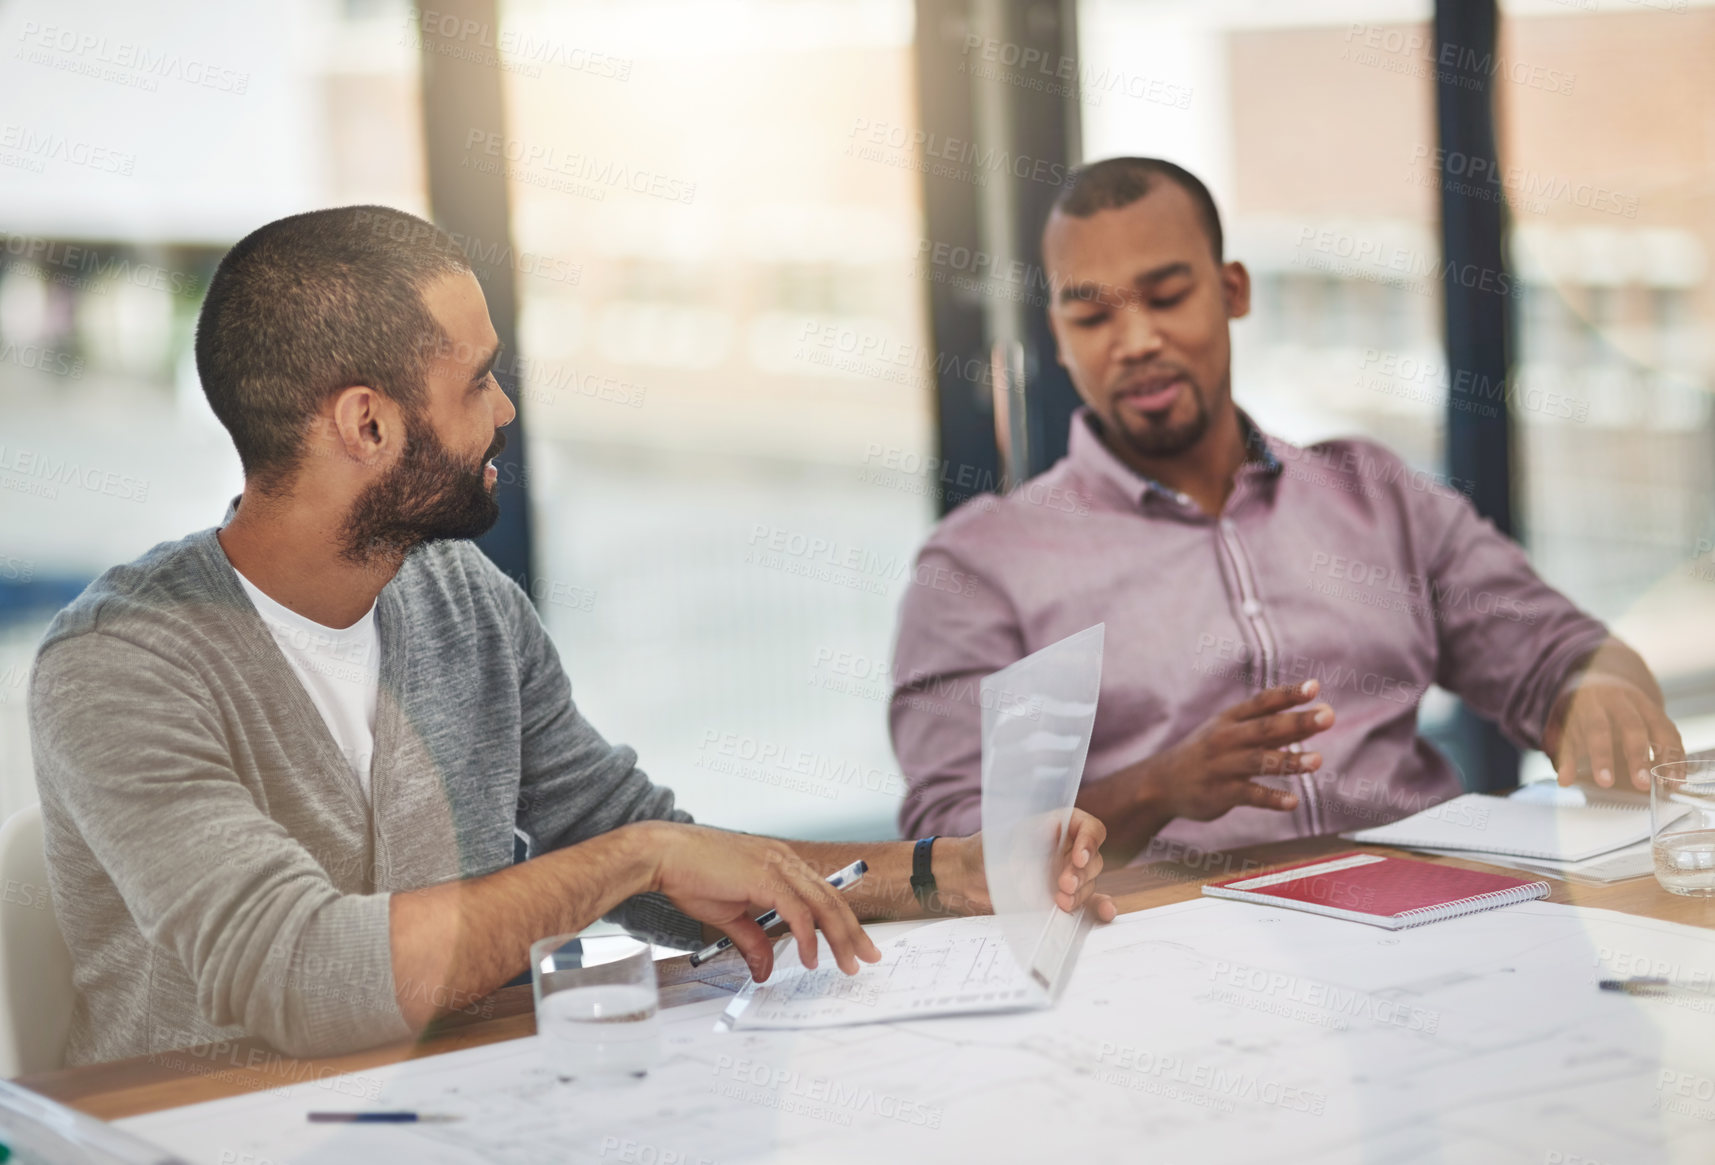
point(1076, 863)
point(1079, 864)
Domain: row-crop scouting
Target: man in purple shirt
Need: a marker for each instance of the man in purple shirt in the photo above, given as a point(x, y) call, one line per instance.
point(1240, 577)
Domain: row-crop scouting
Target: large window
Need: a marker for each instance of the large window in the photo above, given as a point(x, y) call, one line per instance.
point(724, 379)
point(1308, 125)
point(139, 142)
point(1607, 174)
point(726, 375)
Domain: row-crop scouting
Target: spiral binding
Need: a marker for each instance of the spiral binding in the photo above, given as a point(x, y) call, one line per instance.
point(1463, 906)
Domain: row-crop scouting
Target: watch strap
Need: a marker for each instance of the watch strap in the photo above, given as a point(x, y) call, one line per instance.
point(922, 876)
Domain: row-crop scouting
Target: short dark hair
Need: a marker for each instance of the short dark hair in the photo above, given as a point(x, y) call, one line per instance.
point(1116, 182)
point(312, 304)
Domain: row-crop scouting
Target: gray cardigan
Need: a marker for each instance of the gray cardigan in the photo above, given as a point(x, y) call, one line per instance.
point(215, 867)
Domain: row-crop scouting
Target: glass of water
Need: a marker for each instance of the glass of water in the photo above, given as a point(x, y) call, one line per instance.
point(1682, 826)
point(596, 1007)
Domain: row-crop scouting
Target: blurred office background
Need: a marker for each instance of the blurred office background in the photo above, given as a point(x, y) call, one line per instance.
point(739, 351)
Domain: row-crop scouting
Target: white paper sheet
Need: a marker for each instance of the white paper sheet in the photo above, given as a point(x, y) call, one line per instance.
point(1037, 718)
point(957, 966)
point(1519, 827)
point(1038, 715)
point(1632, 861)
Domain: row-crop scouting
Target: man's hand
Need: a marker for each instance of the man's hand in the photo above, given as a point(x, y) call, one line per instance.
point(724, 879)
point(1605, 724)
point(1080, 863)
point(1213, 770)
point(962, 883)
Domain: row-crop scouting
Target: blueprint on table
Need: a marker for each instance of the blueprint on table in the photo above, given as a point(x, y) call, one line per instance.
point(1203, 1032)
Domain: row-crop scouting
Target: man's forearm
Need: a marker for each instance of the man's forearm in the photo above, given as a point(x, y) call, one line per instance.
point(465, 938)
point(885, 893)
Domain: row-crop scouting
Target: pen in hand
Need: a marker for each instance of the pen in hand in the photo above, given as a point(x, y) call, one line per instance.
point(840, 880)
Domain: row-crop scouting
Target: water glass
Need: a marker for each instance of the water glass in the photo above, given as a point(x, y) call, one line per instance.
point(597, 1014)
point(1682, 826)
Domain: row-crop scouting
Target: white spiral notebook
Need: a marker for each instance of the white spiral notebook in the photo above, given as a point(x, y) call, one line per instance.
point(1517, 828)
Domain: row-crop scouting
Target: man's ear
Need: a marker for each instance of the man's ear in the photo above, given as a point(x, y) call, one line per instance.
point(362, 424)
point(1236, 289)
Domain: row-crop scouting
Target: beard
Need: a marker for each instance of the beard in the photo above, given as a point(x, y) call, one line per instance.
point(1165, 438)
point(430, 496)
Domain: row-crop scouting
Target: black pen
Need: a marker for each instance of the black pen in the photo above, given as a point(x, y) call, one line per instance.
point(377, 1118)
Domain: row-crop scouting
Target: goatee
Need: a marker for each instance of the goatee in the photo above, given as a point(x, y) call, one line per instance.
point(1164, 439)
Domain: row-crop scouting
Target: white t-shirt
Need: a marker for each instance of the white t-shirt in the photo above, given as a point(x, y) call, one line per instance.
point(339, 667)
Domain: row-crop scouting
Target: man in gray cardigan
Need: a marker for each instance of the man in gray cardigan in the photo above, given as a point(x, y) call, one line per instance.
point(281, 762)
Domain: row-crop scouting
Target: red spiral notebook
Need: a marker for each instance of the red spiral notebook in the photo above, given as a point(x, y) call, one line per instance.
point(1380, 889)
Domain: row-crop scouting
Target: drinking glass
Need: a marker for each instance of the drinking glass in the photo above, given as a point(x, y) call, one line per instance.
point(1682, 826)
point(597, 1014)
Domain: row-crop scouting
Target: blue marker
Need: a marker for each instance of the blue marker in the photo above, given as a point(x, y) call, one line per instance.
point(840, 880)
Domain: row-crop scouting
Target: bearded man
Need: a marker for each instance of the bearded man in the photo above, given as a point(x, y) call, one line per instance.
point(283, 761)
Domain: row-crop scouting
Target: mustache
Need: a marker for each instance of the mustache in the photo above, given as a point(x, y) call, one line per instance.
point(1155, 374)
point(497, 447)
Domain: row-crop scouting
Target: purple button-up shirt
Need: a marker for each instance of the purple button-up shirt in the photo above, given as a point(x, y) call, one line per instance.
point(1336, 562)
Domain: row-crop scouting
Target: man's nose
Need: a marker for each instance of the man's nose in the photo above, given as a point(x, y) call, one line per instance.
point(508, 412)
point(1138, 334)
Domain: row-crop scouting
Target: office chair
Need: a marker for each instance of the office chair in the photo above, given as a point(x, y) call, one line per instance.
point(36, 991)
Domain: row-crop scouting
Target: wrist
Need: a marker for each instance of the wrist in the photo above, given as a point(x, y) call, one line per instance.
point(643, 846)
point(956, 864)
point(1554, 723)
point(579, 883)
point(1150, 804)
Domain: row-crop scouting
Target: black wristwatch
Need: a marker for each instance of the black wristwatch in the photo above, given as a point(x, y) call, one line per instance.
point(922, 876)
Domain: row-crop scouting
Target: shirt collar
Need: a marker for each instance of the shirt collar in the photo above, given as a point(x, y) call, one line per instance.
point(1259, 446)
point(1086, 450)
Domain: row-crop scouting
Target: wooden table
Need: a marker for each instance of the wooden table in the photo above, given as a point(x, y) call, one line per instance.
point(165, 1080)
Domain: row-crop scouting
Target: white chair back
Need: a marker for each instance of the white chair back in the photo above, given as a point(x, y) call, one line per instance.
point(36, 991)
